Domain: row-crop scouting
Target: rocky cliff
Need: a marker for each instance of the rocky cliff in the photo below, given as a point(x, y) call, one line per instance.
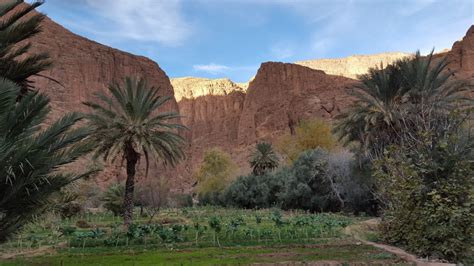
point(354, 65)
point(83, 67)
point(461, 56)
point(283, 94)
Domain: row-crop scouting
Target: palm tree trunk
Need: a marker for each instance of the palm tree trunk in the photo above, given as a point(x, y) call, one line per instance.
point(132, 158)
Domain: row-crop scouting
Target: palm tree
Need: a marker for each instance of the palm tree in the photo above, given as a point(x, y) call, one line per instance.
point(18, 24)
point(393, 101)
point(263, 159)
point(32, 159)
point(128, 124)
point(32, 156)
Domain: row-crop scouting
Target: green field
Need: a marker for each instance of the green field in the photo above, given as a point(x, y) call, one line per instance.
point(191, 236)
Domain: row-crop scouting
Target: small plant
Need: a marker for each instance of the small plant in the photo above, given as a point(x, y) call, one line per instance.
point(215, 224)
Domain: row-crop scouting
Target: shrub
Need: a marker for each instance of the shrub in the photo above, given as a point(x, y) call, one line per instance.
point(113, 198)
point(253, 191)
point(427, 191)
point(308, 186)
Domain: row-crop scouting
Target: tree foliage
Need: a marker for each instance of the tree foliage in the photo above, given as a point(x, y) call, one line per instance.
point(17, 26)
point(402, 95)
point(127, 123)
point(215, 173)
point(32, 155)
point(263, 159)
point(309, 135)
point(427, 188)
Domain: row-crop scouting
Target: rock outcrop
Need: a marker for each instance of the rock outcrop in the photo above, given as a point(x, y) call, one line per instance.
point(352, 66)
point(283, 94)
point(461, 56)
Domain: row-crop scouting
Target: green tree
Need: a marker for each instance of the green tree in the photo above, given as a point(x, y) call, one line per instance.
point(215, 173)
point(426, 186)
point(402, 95)
point(18, 24)
point(129, 124)
point(263, 159)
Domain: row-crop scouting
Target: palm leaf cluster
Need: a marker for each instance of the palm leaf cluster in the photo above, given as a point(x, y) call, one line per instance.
point(410, 96)
point(17, 63)
point(263, 159)
point(127, 124)
point(31, 158)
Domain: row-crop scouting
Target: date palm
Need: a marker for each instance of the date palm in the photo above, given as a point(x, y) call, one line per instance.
point(18, 23)
point(32, 156)
point(128, 124)
point(263, 159)
point(394, 101)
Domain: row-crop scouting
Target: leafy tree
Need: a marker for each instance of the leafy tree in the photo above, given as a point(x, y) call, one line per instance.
point(263, 159)
point(18, 24)
point(426, 185)
point(129, 124)
point(309, 135)
point(215, 173)
point(402, 95)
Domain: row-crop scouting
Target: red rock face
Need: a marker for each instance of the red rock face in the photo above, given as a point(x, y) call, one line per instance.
point(283, 94)
point(461, 56)
point(82, 68)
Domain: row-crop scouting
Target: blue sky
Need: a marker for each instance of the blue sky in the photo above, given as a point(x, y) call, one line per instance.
point(230, 38)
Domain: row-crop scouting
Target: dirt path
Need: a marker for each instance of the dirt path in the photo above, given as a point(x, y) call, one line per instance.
point(44, 250)
point(357, 231)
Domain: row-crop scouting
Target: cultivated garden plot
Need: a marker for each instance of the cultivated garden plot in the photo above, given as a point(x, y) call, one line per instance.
point(194, 236)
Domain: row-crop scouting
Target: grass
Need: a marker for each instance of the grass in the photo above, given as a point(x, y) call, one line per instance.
point(192, 236)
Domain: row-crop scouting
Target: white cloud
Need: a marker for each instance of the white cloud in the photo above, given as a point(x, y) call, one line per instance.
point(158, 21)
point(211, 68)
point(282, 51)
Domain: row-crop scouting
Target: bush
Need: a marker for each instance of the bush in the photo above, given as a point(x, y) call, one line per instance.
point(113, 198)
point(318, 181)
point(308, 186)
point(427, 191)
point(253, 191)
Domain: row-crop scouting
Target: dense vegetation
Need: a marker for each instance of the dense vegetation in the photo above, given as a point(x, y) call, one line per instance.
point(31, 154)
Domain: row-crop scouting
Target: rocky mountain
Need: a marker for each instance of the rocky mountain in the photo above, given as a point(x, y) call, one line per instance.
point(83, 67)
point(219, 113)
point(352, 66)
point(461, 56)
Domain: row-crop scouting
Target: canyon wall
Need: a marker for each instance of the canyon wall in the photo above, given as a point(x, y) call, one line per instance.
point(352, 66)
point(83, 67)
point(461, 56)
point(219, 113)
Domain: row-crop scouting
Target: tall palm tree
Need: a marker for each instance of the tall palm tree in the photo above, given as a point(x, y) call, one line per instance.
point(393, 101)
point(128, 124)
point(263, 159)
point(18, 24)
